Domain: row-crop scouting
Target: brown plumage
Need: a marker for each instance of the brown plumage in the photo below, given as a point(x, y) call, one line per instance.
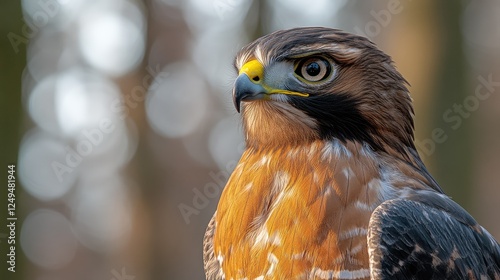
point(331, 176)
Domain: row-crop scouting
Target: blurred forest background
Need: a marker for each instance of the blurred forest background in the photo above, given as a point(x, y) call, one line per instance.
point(119, 118)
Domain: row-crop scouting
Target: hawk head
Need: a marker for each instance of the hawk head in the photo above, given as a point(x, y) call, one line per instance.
point(306, 84)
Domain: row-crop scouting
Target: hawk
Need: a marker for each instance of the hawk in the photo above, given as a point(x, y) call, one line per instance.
point(330, 185)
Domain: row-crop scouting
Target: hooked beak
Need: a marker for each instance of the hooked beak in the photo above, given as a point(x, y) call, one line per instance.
point(246, 90)
point(250, 85)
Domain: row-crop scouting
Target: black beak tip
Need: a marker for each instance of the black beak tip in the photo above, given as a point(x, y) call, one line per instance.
point(236, 102)
point(245, 89)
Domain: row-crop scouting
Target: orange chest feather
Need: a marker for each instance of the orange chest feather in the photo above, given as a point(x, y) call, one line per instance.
point(297, 213)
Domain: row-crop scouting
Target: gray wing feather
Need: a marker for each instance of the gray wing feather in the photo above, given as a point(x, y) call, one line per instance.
point(428, 236)
point(210, 262)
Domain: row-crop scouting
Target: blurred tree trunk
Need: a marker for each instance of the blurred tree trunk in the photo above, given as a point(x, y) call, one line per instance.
point(453, 157)
point(484, 47)
point(165, 170)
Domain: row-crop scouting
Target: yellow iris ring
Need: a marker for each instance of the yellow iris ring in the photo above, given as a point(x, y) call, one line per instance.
point(255, 71)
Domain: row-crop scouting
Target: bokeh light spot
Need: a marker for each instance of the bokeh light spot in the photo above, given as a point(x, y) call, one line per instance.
point(47, 168)
point(226, 143)
point(111, 43)
point(101, 213)
point(47, 239)
point(178, 104)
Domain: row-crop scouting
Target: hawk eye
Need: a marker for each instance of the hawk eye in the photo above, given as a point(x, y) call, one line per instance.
point(313, 69)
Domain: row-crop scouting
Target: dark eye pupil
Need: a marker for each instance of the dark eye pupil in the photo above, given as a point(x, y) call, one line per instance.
point(313, 69)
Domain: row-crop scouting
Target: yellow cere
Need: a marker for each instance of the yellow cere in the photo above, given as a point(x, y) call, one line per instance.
point(254, 68)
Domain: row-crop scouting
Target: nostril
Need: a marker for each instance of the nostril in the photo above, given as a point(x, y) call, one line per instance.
point(256, 78)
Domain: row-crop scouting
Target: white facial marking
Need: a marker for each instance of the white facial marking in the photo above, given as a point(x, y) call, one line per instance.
point(279, 97)
point(240, 61)
point(292, 113)
point(260, 56)
point(346, 50)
